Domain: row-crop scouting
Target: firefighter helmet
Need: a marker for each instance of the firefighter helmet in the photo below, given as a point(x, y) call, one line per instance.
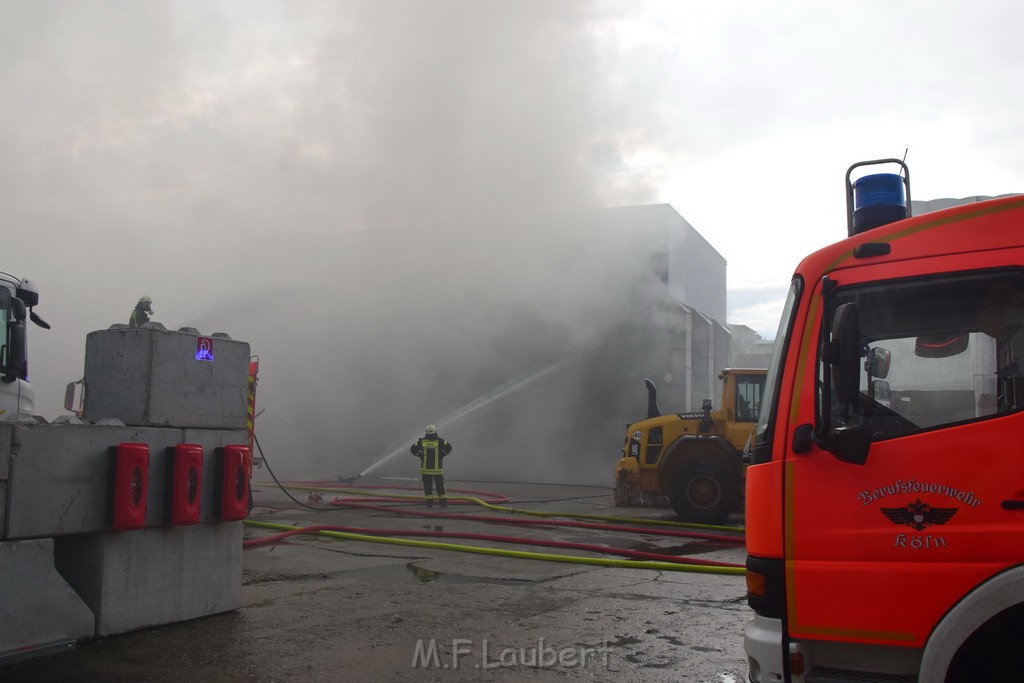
point(431, 429)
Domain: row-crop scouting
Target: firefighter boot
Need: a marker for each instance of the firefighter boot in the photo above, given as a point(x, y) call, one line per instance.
point(430, 503)
point(444, 502)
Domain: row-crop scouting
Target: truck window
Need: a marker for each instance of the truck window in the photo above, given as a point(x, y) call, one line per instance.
point(5, 315)
point(761, 448)
point(749, 392)
point(935, 352)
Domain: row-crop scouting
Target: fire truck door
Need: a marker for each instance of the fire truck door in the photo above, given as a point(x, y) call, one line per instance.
point(879, 551)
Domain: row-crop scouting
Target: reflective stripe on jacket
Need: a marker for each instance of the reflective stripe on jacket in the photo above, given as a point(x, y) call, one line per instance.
point(431, 452)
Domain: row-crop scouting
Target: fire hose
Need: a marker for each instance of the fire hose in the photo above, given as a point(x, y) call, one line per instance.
point(537, 513)
point(676, 564)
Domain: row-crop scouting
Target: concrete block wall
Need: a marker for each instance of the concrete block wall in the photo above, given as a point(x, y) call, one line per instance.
point(155, 377)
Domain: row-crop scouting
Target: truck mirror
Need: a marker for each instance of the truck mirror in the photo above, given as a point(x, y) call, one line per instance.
point(848, 444)
point(845, 353)
point(16, 355)
point(877, 364)
point(803, 439)
point(38, 321)
point(17, 309)
point(74, 397)
point(940, 345)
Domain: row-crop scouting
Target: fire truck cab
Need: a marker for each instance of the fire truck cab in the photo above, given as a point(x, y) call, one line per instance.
point(885, 491)
point(18, 296)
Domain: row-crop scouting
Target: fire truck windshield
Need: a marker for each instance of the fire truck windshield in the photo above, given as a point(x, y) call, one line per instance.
point(935, 352)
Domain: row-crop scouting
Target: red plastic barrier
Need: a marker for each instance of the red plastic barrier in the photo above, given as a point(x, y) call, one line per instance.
point(186, 484)
point(234, 482)
point(131, 484)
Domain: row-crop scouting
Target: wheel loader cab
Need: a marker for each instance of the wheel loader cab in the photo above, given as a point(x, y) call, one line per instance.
point(741, 392)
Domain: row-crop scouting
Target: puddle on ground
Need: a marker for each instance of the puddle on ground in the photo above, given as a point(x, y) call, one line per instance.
point(686, 549)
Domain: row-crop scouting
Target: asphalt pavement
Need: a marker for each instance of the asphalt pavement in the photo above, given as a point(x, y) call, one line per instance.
point(436, 608)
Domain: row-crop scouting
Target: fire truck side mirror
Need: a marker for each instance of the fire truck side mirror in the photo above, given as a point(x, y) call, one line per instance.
point(74, 397)
point(848, 444)
point(845, 353)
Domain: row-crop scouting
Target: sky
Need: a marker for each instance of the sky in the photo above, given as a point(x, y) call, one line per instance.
point(219, 156)
point(764, 106)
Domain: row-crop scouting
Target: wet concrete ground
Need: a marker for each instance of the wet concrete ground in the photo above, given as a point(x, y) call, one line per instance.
point(320, 609)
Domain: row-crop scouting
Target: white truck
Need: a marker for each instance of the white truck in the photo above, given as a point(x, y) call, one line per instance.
point(17, 298)
point(126, 515)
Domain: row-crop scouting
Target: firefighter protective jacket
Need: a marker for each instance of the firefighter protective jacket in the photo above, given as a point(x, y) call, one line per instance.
point(139, 316)
point(431, 449)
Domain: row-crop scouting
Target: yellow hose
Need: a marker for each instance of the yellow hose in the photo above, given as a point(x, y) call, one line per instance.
point(603, 562)
point(536, 513)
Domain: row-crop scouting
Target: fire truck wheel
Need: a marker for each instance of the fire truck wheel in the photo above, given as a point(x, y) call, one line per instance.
point(704, 490)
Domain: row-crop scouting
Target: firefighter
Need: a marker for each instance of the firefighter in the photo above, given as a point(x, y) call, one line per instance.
point(431, 449)
point(141, 312)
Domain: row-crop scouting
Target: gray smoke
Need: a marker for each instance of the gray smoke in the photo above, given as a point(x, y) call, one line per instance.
point(395, 203)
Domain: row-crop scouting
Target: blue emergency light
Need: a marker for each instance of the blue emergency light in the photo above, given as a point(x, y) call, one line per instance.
point(876, 199)
point(879, 189)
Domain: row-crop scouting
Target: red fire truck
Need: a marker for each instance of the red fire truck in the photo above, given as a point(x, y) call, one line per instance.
point(885, 490)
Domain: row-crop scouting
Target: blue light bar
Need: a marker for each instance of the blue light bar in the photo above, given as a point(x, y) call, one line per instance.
point(880, 189)
point(878, 199)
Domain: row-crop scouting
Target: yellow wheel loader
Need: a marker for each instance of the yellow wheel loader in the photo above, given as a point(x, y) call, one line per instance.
point(692, 462)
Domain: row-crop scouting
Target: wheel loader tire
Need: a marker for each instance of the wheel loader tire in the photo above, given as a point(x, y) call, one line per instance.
point(704, 490)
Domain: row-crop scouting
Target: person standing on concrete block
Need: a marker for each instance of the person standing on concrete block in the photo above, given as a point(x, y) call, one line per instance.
point(141, 312)
point(431, 449)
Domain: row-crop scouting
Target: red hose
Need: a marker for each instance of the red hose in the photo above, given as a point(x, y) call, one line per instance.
point(721, 538)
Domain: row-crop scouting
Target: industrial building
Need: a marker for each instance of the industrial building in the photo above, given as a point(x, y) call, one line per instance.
point(690, 338)
point(748, 348)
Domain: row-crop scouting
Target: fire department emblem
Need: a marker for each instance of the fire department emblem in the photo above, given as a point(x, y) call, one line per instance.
point(918, 515)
